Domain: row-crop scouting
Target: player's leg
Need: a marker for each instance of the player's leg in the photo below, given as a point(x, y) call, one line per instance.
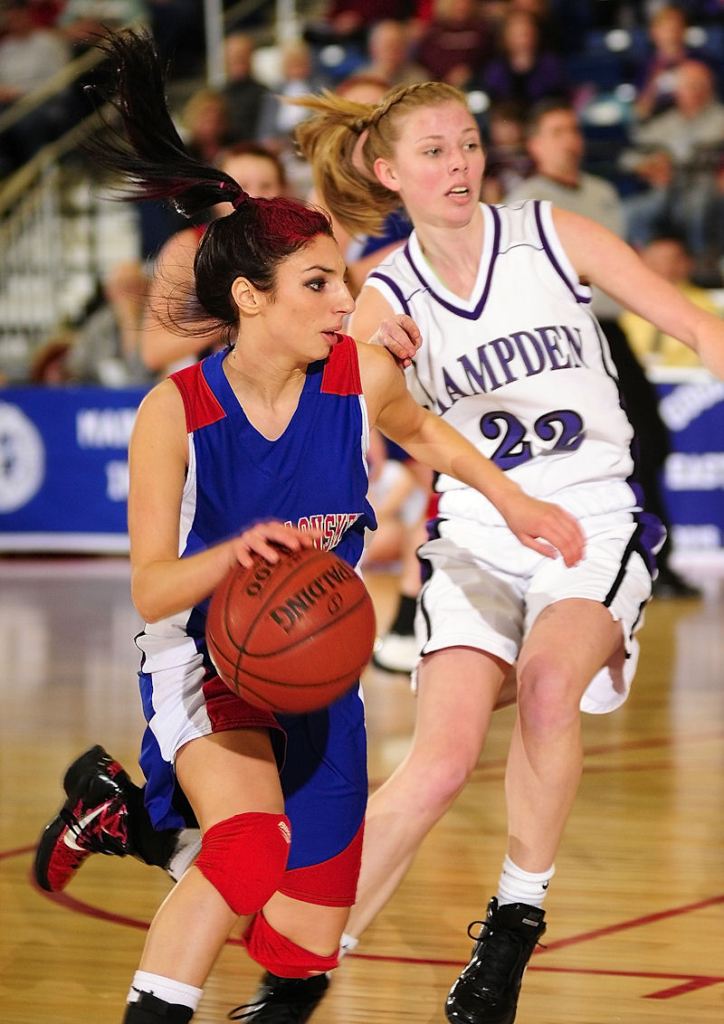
point(297, 942)
point(544, 769)
point(470, 624)
point(232, 783)
point(545, 757)
point(457, 692)
point(104, 812)
point(297, 935)
point(573, 657)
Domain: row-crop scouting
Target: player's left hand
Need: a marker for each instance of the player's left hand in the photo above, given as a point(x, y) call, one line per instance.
point(546, 528)
point(401, 336)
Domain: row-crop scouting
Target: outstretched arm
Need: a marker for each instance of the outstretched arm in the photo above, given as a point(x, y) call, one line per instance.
point(601, 258)
point(539, 525)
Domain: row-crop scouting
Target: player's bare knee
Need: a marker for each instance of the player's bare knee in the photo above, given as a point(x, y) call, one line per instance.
point(245, 857)
point(441, 781)
point(548, 697)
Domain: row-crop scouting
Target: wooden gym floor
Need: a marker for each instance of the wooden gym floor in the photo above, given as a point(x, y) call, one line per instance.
point(636, 911)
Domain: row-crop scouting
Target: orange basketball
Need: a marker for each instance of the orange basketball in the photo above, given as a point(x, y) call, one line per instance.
point(294, 635)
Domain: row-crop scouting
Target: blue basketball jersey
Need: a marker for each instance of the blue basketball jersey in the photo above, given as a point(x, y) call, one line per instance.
point(313, 476)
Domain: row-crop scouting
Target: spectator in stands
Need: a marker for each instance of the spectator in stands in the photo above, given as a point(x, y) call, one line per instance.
point(656, 81)
point(277, 119)
point(389, 52)
point(350, 20)
point(29, 57)
point(49, 365)
point(83, 20)
point(455, 43)
point(44, 13)
point(668, 256)
point(105, 347)
point(556, 144)
point(243, 93)
point(520, 69)
point(507, 160)
point(297, 78)
point(556, 147)
point(677, 155)
point(261, 174)
point(205, 125)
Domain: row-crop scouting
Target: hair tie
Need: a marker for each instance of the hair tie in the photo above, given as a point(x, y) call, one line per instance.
point(239, 198)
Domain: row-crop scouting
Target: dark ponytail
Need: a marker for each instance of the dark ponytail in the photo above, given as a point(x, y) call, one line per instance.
point(154, 163)
point(152, 158)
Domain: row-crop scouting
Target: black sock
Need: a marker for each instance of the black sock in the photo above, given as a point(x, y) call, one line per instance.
point(150, 1010)
point(150, 845)
point(404, 624)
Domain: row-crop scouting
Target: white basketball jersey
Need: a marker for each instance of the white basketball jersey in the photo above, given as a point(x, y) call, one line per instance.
point(521, 367)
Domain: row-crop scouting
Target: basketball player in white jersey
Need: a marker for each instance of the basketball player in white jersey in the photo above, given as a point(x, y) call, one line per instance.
point(512, 356)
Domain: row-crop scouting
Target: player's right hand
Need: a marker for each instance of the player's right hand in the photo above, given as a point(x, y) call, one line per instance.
point(264, 539)
point(401, 336)
point(545, 528)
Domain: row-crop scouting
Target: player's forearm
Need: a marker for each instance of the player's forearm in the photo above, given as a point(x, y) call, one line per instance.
point(438, 445)
point(163, 588)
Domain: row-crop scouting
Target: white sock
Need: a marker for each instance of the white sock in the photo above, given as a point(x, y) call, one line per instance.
point(346, 944)
point(518, 886)
point(185, 853)
point(164, 988)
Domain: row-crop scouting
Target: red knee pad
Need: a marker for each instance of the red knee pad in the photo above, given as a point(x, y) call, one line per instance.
point(280, 955)
point(245, 857)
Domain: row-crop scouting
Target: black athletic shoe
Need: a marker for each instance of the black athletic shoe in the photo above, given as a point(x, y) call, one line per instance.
point(150, 1010)
point(487, 990)
point(283, 1000)
point(94, 819)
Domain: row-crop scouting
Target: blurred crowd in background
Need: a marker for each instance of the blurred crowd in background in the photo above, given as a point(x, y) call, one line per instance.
point(613, 108)
point(609, 108)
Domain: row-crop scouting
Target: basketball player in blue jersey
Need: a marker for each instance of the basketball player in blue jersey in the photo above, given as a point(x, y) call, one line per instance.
point(227, 459)
point(513, 358)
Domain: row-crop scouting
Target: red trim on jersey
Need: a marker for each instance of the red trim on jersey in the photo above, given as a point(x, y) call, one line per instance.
point(433, 502)
point(228, 711)
point(201, 404)
point(333, 883)
point(341, 374)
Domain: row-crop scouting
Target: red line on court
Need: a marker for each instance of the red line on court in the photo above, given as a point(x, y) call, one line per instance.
point(692, 983)
point(689, 982)
point(16, 852)
point(635, 922)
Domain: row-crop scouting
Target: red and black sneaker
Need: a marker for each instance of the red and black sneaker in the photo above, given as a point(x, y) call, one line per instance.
point(94, 819)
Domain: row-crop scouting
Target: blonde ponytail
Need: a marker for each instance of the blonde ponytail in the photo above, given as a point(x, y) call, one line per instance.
point(342, 141)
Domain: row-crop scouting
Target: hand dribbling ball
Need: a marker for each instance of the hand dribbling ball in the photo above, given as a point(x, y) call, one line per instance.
point(294, 635)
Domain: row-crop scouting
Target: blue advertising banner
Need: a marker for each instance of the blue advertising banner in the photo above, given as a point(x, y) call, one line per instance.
point(693, 482)
point(64, 467)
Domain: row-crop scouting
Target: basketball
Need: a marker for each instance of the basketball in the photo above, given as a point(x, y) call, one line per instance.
point(292, 636)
